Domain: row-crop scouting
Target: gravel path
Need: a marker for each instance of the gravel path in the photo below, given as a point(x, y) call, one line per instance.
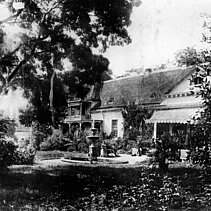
point(131, 160)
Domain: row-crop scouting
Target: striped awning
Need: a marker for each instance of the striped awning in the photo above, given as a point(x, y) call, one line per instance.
point(182, 115)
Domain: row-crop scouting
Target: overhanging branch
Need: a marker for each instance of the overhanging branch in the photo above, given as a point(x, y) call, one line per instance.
point(7, 20)
point(15, 71)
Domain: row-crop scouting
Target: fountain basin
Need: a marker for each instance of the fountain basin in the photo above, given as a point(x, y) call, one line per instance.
point(99, 161)
point(84, 158)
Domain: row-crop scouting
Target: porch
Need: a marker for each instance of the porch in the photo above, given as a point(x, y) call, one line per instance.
point(174, 120)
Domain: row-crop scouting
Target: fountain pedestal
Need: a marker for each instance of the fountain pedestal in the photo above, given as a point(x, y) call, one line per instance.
point(93, 148)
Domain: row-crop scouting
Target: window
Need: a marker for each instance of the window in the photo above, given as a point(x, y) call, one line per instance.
point(111, 101)
point(114, 127)
point(75, 110)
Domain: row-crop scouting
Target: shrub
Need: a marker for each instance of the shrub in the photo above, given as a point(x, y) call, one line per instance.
point(167, 148)
point(7, 147)
point(134, 121)
point(199, 144)
point(54, 142)
point(40, 133)
point(200, 139)
point(24, 158)
point(8, 153)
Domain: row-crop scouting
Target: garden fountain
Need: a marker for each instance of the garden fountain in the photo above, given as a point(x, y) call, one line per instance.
point(95, 150)
point(94, 145)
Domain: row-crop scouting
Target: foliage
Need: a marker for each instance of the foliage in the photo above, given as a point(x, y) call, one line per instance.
point(167, 148)
point(25, 157)
point(37, 90)
point(145, 141)
point(200, 139)
point(39, 133)
point(102, 188)
point(114, 145)
point(51, 34)
point(134, 121)
point(53, 142)
point(188, 57)
point(82, 145)
point(8, 153)
point(136, 131)
point(7, 148)
point(11, 129)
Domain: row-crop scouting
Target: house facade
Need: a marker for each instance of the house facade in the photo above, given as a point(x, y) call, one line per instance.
point(78, 114)
point(181, 105)
point(160, 90)
point(169, 93)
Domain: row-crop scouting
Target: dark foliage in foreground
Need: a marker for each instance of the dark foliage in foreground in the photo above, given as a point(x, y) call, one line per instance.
point(105, 188)
point(8, 150)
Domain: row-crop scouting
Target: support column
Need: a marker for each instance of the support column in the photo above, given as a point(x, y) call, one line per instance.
point(171, 128)
point(188, 129)
point(155, 131)
point(81, 104)
point(93, 123)
point(69, 127)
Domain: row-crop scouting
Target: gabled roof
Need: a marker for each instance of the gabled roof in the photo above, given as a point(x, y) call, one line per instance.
point(149, 88)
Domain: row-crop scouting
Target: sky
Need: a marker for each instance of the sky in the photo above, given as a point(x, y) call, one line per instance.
point(159, 29)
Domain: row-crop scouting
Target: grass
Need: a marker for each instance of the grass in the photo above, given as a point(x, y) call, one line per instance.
point(95, 187)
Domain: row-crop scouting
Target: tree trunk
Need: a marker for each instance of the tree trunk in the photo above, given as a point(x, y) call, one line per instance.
point(51, 100)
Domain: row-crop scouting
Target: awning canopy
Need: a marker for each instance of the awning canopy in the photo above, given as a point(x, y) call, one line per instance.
point(183, 115)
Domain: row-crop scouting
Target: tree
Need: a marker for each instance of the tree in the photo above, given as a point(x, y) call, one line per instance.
point(37, 90)
point(199, 140)
point(134, 121)
point(52, 31)
point(200, 137)
point(188, 56)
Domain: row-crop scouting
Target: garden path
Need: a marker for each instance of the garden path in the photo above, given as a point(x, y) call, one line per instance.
point(132, 160)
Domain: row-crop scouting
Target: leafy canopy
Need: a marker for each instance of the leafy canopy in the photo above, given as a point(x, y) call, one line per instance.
point(200, 137)
point(50, 32)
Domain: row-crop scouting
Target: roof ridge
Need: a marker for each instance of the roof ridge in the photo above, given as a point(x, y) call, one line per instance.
point(149, 73)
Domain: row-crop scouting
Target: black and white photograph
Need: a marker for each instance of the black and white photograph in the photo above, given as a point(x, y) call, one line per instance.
point(105, 105)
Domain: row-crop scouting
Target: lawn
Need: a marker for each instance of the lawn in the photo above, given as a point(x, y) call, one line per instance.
point(95, 187)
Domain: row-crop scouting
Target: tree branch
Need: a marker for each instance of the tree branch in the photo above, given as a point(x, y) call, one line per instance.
point(6, 20)
point(6, 57)
point(15, 71)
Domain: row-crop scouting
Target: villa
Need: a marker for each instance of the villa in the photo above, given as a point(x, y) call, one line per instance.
point(170, 93)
